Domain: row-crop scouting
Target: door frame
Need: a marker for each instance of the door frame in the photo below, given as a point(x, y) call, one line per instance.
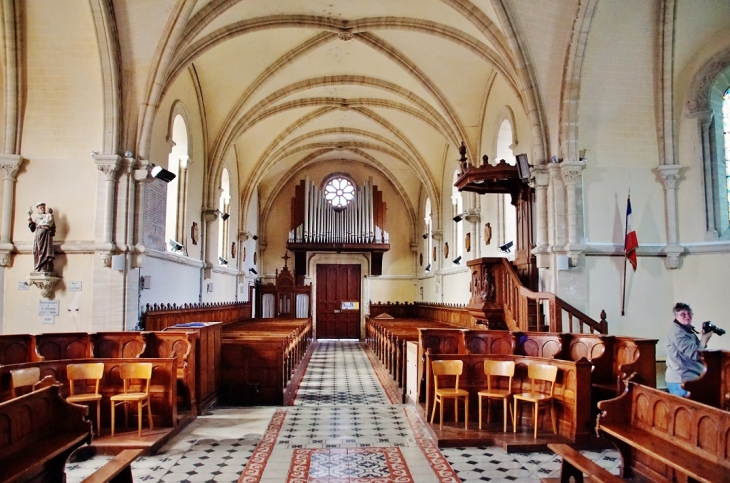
point(340, 259)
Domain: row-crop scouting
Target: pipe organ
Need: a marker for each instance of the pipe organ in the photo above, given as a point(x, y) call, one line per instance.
point(318, 226)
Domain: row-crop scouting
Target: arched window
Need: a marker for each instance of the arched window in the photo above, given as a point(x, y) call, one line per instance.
point(427, 242)
point(457, 226)
point(224, 207)
point(708, 102)
point(726, 137)
point(507, 221)
point(177, 163)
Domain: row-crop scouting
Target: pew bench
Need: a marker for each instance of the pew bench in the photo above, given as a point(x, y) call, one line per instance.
point(663, 437)
point(38, 431)
point(575, 465)
point(116, 470)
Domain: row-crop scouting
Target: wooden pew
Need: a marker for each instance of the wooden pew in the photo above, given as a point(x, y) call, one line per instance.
point(713, 385)
point(541, 344)
point(163, 387)
point(632, 357)
point(16, 348)
point(63, 345)
point(179, 345)
point(490, 341)
point(572, 388)
point(259, 356)
point(208, 336)
point(110, 345)
point(663, 437)
point(38, 431)
point(575, 465)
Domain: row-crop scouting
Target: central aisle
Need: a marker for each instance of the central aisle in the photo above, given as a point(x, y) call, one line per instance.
point(344, 427)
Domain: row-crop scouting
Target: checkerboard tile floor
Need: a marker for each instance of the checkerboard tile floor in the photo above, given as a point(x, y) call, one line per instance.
point(343, 428)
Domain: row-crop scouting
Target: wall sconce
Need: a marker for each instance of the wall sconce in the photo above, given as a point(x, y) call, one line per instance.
point(506, 247)
point(175, 246)
point(161, 173)
point(222, 261)
point(253, 270)
point(457, 260)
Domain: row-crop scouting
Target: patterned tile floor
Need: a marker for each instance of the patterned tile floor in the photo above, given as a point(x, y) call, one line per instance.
point(343, 428)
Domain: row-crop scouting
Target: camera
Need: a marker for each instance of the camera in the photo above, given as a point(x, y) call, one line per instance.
point(710, 327)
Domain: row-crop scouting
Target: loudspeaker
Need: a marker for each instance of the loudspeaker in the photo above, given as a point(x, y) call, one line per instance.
point(523, 168)
point(118, 262)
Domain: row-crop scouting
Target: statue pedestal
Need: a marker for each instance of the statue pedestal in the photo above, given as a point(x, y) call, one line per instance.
point(46, 281)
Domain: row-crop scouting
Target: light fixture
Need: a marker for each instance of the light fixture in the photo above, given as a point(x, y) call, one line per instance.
point(428, 267)
point(253, 270)
point(506, 247)
point(457, 260)
point(458, 218)
point(175, 246)
point(161, 173)
point(128, 154)
point(222, 261)
point(224, 216)
point(251, 235)
point(425, 235)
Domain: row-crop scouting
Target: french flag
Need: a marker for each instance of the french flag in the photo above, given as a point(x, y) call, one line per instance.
point(631, 242)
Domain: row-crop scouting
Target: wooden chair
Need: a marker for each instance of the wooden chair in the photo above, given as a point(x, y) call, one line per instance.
point(132, 373)
point(82, 374)
point(28, 377)
point(449, 369)
point(495, 370)
point(541, 375)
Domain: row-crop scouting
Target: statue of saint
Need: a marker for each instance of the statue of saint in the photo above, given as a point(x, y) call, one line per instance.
point(44, 227)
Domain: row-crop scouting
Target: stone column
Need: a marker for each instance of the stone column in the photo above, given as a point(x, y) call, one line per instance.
point(10, 164)
point(572, 173)
point(109, 164)
point(669, 174)
point(540, 182)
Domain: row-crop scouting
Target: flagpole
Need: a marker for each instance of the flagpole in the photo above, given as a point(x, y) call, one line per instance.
point(623, 291)
point(626, 256)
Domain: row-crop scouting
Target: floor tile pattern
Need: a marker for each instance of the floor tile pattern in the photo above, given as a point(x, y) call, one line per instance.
point(362, 465)
point(477, 464)
point(339, 373)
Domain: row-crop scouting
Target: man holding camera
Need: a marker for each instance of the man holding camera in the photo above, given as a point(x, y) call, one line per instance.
point(683, 360)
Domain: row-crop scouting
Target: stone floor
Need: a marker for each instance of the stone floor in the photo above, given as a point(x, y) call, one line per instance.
point(344, 427)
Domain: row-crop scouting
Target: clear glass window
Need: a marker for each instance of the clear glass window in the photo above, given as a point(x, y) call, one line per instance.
point(726, 137)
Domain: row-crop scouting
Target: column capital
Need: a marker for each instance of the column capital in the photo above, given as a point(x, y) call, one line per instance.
point(109, 164)
point(670, 174)
point(572, 171)
point(540, 176)
point(10, 164)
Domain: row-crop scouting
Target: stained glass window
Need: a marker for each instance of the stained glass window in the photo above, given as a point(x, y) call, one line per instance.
point(726, 137)
point(339, 192)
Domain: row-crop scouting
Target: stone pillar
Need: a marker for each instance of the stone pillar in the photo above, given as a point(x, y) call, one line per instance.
point(572, 173)
point(669, 174)
point(10, 164)
point(540, 182)
point(109, 164)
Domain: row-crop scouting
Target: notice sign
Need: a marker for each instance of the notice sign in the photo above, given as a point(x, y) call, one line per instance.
point(48, 319)
point(350, 305)
point(23, 286)
point(48, 307)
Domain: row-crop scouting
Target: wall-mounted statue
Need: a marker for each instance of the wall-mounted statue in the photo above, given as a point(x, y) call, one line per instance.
point(44, 227)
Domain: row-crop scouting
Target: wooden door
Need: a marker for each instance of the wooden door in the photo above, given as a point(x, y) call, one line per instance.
point(337, 284)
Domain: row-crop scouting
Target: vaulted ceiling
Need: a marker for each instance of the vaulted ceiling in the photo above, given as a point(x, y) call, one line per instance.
point(396, 85)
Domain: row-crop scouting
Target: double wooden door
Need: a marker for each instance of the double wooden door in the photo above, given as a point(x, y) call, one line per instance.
point(338, 301)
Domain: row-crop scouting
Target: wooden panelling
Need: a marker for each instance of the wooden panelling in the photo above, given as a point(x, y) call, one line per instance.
point(663, 437)
point(38, 432)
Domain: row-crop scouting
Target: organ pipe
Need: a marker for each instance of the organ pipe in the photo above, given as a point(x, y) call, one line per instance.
point(315, 220)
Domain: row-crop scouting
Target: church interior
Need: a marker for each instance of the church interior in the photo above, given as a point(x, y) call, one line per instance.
point(420, 176)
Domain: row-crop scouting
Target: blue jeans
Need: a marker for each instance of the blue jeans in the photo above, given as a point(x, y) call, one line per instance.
point(676, 389)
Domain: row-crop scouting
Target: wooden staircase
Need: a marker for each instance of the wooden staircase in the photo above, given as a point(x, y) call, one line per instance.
point(501, 301)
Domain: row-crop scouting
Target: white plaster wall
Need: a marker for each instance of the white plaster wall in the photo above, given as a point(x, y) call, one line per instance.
point(171, 282)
